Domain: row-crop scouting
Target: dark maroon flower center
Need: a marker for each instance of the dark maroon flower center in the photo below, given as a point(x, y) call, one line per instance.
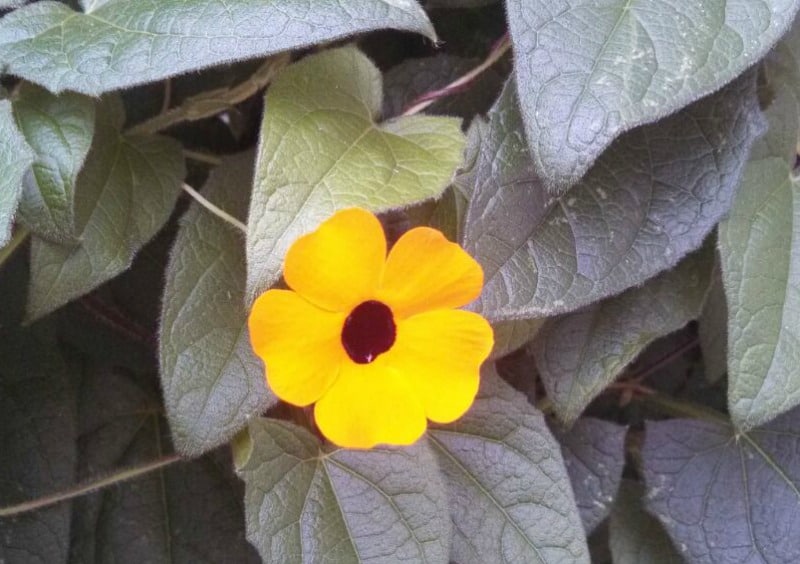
point(368, 331)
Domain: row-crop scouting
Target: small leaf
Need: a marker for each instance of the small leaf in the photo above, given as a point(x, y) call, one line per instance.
point(724, 495)
point(510, 497)
point(305, 503)
point(184, 513)
point(760, 254)
point(321, 151)
point(15, 158)
point(59, 129)
point(211, 379)
point(636, 536)
point(117, 43)
point(594, 453)
point(588, 71)
point(38, 430)
point(124, 194)
point(650, 199)
point(580, 353)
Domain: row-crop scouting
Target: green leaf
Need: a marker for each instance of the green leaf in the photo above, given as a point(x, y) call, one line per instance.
point(636, 536)
point(321, 151)
point(724, 495)
point(594, 453)
point(306, 503)
point(59, 129)
point(760, 254)
point(15, 159)
point(506, 479)
point(512, 335)
point(588, 71)
point(580, 353)
point(184, 513)
point(118, 43)
point(38, 430)
point(211, 379)
point(650, 199)
point(712, 329)
point(124, 195)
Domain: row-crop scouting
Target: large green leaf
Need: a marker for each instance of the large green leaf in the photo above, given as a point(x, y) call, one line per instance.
point(635, 536)
point(510, 495)
point(15, 159)
point(211, 379)
point(38, 430)
point(760, 251)
point(307, 503)
point(712, 329)
point(119, 43)
point(124, 194)
point(184, 513)
point(724, 495)
point(588, 71)
point(59, 129)
point(650, 199)
point(580, 353)
point(321, 150)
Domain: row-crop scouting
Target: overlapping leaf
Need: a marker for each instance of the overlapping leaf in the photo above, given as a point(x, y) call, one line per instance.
point(510, 495)
point(580, 353)
point(124, 193)
point(760, 252)
point(185, 513)
point(38, 430)
point(723, 495)
point(211, 379)
point(321, 151)
point(118, 43)
point(635, 536)
point(650, 199)
point(59, 130)
point(306, 503)
point(15, 158)
point(712, 330)
point(588, 71)
point(594, 453)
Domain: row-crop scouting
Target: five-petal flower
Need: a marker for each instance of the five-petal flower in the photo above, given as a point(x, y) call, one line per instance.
point(373, 340)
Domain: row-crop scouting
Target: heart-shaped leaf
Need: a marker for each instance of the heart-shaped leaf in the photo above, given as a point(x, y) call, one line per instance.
point(724, 495)
point(321, 150)
point(306, 503)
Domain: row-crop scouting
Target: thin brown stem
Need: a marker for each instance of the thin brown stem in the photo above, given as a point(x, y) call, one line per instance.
point(20, 236)
point(500, 48)
point(222, 214)
point(89, 487)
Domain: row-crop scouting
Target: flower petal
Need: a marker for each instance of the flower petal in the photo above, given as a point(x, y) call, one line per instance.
point(299, 343)
point(339, 265)
point(370, 404)
point(425, 271)
point(440, 353)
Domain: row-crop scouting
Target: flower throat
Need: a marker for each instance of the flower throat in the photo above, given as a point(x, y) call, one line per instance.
point(368, 331)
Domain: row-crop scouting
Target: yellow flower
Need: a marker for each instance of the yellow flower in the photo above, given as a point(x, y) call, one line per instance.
point(373, 339)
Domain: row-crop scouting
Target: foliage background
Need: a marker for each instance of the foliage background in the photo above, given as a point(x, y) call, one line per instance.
point(624, 172)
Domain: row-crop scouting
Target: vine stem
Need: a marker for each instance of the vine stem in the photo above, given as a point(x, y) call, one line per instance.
point(500, 48)
point(207, 104)
point(89, 487)
point(220, 213)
